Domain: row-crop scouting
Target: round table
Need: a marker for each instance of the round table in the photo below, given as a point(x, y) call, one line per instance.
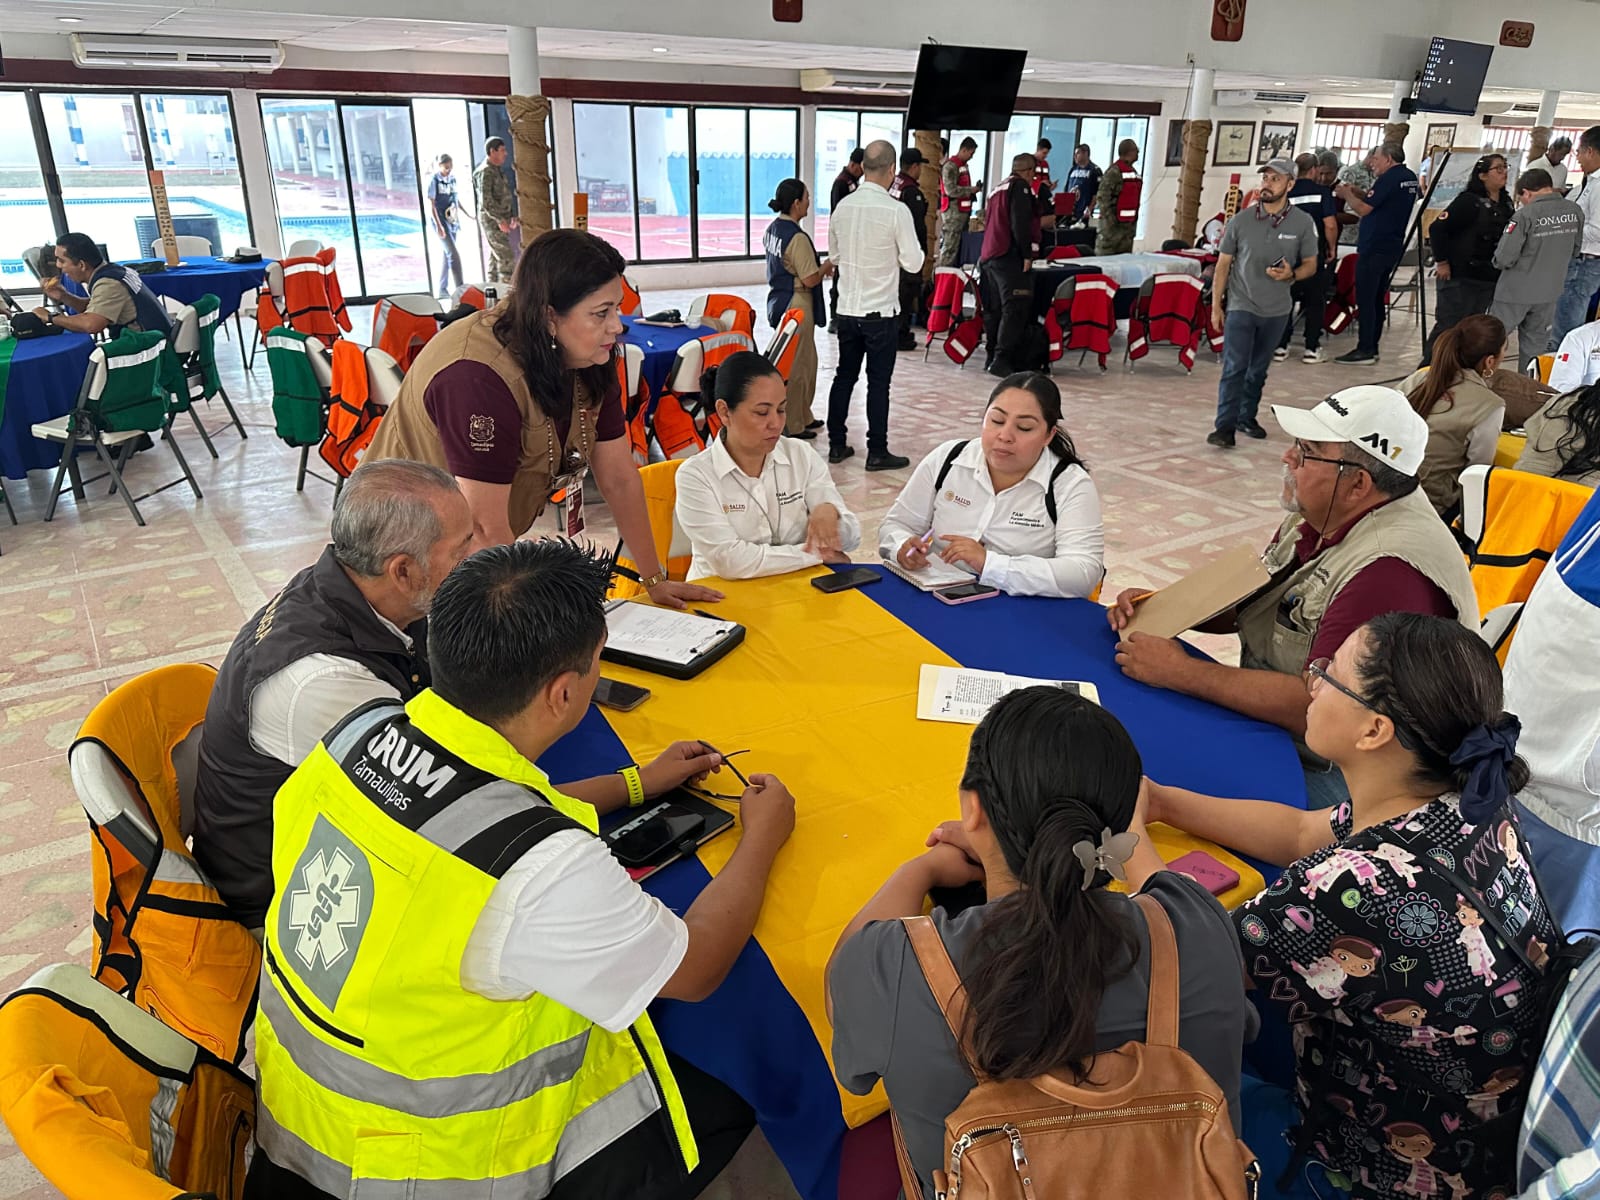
point(660, 345)
point(198, 275)
point(45, 377)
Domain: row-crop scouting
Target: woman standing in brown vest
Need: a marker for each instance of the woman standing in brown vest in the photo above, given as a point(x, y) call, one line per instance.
point(522, 401)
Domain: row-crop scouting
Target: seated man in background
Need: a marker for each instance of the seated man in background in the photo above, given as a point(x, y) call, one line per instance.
point(345, 631)
point(118, 299)
point(480, 1022)
point(1361, 539)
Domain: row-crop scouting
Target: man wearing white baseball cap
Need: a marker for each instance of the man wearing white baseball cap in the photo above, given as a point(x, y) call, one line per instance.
point(1361, 540)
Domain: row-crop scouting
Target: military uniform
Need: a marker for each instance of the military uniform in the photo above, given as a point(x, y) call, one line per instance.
point(1115, 237)
point(495, 204)
point(955, 209)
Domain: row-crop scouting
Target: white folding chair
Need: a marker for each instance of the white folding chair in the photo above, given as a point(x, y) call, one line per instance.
point(189, 245)
point(384, 377)
point(303, 248)
point(249, 308)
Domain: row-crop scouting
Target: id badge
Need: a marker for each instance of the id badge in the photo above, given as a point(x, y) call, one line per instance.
point(572, 508)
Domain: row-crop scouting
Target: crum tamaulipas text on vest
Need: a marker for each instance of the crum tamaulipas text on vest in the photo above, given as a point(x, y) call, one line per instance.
point(406, 763)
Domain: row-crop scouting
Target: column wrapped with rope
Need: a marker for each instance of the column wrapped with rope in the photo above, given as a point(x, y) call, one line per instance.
point(531, 157)
point(1538, 143)
point(1395, 132)
point(927, 141)
point(1191, 179)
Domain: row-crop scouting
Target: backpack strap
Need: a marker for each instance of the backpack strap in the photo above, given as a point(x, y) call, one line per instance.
point(1049, 488)
point(1161, 1017)
point(939, 971)
point(938, 482)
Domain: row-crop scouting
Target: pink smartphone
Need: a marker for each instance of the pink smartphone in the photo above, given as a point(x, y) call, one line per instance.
point(963, 593)
point(1205, 870)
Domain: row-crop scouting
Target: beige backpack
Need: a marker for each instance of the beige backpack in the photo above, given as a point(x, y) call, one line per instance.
point(1151, 1122)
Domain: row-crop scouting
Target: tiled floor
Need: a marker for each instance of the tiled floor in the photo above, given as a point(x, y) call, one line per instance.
point(91, 599)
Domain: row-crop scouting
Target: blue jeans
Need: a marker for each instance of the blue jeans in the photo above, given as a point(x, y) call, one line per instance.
point(1572, 310)
point(1247, 345)
point(449, 261)
point(872, 339)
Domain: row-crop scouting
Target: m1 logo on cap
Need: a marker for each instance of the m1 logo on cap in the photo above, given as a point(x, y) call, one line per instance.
point(1381, 444)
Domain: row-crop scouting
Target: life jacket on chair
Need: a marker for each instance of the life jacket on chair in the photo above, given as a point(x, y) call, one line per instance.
point(684, 420)
point(163, 937)
point(949, 289)
point(1342, 304)
point(635, 411)
point(1524, 518)
point(352, 417)
point(1128, 197)
point(1168, 315)
point(1092, 318)
point(401, 333)
point(313, 302)
point(106, 1101)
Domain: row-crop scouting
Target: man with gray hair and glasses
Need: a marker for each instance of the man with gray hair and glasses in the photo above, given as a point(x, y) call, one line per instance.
point(348, 630)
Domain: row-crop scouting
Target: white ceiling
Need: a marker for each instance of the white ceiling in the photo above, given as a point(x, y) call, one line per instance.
point(367, 35)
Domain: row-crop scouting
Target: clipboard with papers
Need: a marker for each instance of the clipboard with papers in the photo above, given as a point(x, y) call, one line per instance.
point(665, 641)
point(1196, 598)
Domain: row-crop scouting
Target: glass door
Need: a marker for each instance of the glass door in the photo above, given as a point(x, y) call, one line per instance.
point(96, 150)
point(385, 179)
point(306, 154)
point(443, 127)
point(26, 217)
point(721, 180)
point(191, 142)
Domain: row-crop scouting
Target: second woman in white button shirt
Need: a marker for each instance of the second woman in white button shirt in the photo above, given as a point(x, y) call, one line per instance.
point(1015, 506)
point(753, 502)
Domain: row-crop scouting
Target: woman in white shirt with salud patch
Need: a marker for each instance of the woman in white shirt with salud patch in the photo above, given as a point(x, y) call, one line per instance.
point(1016, 507)
point(753, 502)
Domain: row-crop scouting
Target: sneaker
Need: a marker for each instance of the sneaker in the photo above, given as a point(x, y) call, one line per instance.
point(1313, 356)
point(1357, 358)
point(1220, 437)
point(1281, 353)
point(837, 454)
point(884, 461)
point(1251, 429)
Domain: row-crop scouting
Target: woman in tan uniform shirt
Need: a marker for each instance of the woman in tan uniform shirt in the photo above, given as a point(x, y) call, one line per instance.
point(522, 401)
point(794, 278)
point(1564, 438)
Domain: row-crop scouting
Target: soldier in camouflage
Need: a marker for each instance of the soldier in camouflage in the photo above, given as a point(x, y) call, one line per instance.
point(956, 191)
point(496, 209)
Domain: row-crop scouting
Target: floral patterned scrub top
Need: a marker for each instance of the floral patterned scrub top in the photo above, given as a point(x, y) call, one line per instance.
point(1414, 1026)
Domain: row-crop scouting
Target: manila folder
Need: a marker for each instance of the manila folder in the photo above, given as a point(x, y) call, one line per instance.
point(1196, 598)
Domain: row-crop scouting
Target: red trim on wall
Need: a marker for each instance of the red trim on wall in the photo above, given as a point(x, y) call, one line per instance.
point(53, 72)
point(1325, 113)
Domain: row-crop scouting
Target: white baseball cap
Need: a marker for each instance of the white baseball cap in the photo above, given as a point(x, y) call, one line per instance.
point(1376, 419)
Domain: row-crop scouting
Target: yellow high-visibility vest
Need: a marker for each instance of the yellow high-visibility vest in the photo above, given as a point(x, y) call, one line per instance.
point(375, 1063)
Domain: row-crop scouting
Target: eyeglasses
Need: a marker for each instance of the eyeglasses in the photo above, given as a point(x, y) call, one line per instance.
point(1304, 455)
point(727, 761)
point(1317, 673)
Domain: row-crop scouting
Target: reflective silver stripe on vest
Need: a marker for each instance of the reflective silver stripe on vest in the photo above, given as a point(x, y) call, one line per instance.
point(463, 819)
point(586, 1135)
point(173, 867)
point(352, 1076)
point(163, 1136)
point(362, 727)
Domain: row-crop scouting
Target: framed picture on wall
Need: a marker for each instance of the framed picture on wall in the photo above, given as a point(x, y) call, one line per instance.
point(1277, 141)
point(1440, 137)
point(1175, 143)
point(1234, 139)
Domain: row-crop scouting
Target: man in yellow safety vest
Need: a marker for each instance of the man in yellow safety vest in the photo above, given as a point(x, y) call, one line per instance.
point(457, 970)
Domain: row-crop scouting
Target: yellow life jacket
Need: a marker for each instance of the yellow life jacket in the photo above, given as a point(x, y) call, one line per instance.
point(1525, 517)
point(376, 1063)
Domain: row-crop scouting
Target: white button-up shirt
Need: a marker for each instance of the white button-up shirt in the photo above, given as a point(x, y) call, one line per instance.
point(871, 237)
point(1027, 555)
point(1577, 362)
point(1586, 195)
point(744, 528)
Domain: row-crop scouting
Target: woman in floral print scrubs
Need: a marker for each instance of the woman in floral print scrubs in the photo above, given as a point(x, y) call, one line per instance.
point(1416, 1022)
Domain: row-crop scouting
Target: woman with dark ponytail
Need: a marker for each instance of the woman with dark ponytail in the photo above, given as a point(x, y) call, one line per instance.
point(1015, 506)
point(753, 503)
point(1056, 967)
point(1463, 414)
point(1408, 937)
point(794, 280)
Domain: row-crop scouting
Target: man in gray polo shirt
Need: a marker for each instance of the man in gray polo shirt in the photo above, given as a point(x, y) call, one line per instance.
point(1265, 250)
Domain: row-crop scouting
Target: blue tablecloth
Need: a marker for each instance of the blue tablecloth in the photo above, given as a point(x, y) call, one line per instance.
point(750, 1033)
point(46, 374)
point(197, 276)
point(660, 345)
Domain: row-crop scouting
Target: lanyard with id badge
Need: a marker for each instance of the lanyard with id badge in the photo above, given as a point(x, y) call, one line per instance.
point(566, 480)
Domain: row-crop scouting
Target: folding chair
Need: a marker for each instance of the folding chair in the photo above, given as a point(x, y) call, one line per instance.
point(122, 400)
point(659, 481)
point(302, 379)
point(304, 248)
point(1166, 313)
point(947, 307)
point(785, 344)
point(163, 937)
point(105, 1100)
point(1539, 369)
point(194, 335)
point(635, 401)
point(403, 325)
point(188, 247)
point(384, 377)
point(632, 302)
point(270, 295)
point(40, 260)
point(730, 313)
point(674, 421)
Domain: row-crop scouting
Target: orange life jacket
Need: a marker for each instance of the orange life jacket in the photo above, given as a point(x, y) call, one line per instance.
point(401, 334)
point(313, 302)
point(949, 287)
point(685, 422)
point(352, 417)
point(635, 411)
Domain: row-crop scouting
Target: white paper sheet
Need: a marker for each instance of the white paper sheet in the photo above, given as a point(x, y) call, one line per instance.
point(962, 695)
point(662, 633)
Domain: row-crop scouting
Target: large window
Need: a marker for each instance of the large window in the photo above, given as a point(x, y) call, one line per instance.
point(305, 150)
point(24, 207)
point(839, 132)
point(191, 141)
point(1352, 139)
point(1023, 138)
point(669, 183)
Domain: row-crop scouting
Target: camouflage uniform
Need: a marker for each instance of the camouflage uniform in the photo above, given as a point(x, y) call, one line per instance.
point(495, 204)
point(953, 221)
point(1115, 237)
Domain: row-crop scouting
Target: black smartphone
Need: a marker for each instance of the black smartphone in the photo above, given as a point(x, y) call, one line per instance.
point(962, 593)
point(840, 580)
point(624, 697)
point(639, 845)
